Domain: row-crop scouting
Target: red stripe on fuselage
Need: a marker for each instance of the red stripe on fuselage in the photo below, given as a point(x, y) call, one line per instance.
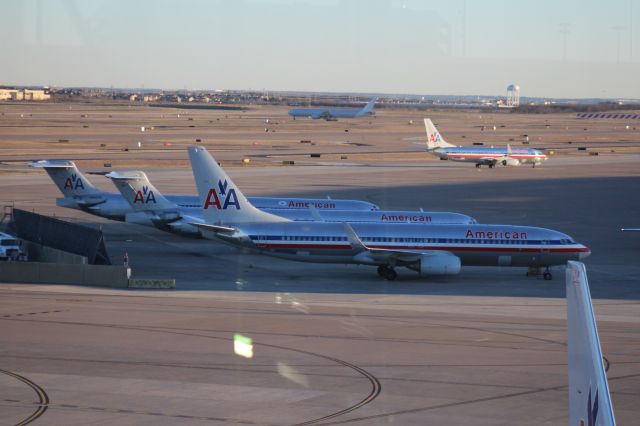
point(493, 155)
point(442, 248)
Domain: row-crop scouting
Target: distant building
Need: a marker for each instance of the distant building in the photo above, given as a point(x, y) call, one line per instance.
point(24, 95)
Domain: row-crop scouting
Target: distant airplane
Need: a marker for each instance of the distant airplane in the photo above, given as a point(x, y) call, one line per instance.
point(481, 156)
point(153, 209)
point(589, 398)
point(429, 250)
point(80, 194)
point(333, 114)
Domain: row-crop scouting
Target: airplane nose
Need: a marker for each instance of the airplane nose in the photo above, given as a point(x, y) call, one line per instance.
point(585, 253)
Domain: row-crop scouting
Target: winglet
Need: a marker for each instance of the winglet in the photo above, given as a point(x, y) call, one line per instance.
point(354, 240)
point(589, 398)
point(315, 214)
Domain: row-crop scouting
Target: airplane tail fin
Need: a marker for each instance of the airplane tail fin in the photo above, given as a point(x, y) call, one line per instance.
point(222, 201)
point(67, 178)
point(434, 139)
point(139, 192)
point(368, 107)
point(589, 399)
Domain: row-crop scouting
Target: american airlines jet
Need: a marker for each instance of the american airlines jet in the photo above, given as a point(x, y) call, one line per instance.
point(481, 156)
point(429, 250)
point(589, 398)
point(80, 194)
point(333, 114)
point(153, 209)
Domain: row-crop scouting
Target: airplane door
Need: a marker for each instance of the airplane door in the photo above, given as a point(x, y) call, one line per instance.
point(545, 254)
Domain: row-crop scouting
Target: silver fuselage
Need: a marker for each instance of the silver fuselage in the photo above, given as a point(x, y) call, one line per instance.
point(481, 245)
point(113, 205)
point(484, 155)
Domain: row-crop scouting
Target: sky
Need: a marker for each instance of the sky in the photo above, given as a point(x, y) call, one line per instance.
point(551, 48)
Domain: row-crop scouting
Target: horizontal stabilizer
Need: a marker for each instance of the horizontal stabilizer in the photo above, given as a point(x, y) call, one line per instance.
point(132, 175)
point(50, 164)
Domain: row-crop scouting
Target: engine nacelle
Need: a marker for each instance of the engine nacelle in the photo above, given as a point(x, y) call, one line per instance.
point(439, 264)
point(510, 162)
point(167, 217)
point(183, 228)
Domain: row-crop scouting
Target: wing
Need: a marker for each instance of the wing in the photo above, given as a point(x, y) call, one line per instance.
point(376, 255)
point(630, 229)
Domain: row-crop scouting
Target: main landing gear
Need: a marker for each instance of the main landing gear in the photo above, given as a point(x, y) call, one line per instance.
point(387, 272)
point(534, 271)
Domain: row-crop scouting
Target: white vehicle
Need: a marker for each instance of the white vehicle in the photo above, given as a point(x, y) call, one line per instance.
point(10, 248)
point(589, 398)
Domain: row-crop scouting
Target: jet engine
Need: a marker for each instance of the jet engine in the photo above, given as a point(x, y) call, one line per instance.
point(510, 162)
point(183, 228)
point(439, 264)
point(167, 216)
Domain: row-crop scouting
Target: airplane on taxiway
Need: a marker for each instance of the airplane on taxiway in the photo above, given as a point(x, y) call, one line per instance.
point(333, 114)
point(481, 156)
point(430, 250)
point(80, 194)
point(589, 398)
point(153, 209)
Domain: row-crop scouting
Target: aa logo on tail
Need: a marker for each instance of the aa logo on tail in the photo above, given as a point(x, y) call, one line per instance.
point(73, 182)
point(227, 195)
point(434, 137)
point(145, 196)
point(592, 410)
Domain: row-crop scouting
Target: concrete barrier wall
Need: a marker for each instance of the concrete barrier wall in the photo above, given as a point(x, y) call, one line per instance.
point(56, 273)
point(40, 253)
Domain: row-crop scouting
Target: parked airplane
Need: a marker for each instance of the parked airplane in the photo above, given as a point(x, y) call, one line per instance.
point(589, 398)
point(153, 209)
point(333, 114)
point(80, 194)
point(430, 250)
point(481, 156)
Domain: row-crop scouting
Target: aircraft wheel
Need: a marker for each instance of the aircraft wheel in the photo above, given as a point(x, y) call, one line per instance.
point(382, 270)
point(477, 166)
point(491, 166)
point(547, 276)
point(391, 274)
